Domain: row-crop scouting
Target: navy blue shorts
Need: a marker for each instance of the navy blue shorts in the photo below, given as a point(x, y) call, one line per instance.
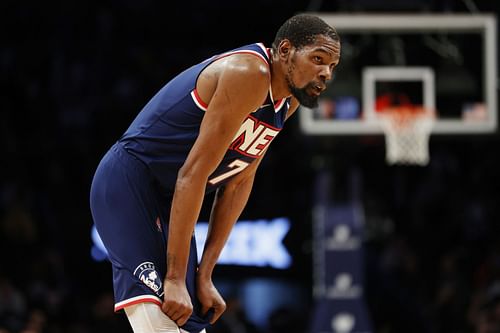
point(131, 217)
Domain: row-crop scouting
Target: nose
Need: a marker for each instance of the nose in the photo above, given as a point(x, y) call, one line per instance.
point(325, 74)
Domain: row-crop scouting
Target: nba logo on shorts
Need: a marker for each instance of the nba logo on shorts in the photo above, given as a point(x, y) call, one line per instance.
point(147, 274)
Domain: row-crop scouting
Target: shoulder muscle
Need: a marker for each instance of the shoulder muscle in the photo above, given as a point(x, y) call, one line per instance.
point(239, 71)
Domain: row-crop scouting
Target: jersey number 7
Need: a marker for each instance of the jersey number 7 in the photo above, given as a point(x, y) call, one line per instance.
point(235, 167)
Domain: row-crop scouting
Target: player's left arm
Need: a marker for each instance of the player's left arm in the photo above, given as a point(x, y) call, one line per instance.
point(229, 202)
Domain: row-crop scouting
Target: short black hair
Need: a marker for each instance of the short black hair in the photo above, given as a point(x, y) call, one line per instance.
point(301, 30)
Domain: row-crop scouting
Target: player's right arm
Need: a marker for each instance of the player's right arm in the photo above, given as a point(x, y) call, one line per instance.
point(241, 85)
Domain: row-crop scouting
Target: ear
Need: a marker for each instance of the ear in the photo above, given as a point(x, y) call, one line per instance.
point(284, 49)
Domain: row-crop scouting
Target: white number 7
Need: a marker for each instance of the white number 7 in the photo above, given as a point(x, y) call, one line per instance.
point(236, 166)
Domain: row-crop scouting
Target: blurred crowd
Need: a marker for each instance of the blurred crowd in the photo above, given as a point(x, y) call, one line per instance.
point(74, 75)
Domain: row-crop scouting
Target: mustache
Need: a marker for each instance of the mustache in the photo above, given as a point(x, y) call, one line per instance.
point(320, 84)
point(316, 84)
point(303, 96)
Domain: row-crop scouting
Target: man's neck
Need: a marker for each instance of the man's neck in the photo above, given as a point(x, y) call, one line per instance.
point(279, 87)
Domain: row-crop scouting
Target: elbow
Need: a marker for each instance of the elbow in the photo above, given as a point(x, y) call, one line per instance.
point(191, 174)
point(184, 173)
point(185, 176)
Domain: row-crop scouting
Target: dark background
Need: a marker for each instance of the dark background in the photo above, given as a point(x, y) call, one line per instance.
point(74, 74)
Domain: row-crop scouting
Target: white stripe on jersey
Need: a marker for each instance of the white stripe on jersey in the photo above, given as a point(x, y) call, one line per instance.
point(195, 100)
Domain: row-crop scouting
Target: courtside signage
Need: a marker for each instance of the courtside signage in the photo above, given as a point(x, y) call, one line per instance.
point(257, 243)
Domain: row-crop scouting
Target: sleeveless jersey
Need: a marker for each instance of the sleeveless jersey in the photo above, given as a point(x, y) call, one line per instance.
point(163, 133)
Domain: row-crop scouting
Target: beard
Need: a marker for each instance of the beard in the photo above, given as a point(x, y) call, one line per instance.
point(301, 93)
point(302, 96)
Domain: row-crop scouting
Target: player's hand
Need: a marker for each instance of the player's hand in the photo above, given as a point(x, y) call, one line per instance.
point(209, 298)
point(176, 301)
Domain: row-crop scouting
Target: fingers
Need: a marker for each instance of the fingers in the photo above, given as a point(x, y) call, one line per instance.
point(178, 312)
point(218, 311)
point(204, 309)
point(183, 319)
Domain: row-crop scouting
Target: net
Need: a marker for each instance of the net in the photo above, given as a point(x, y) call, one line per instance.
point(407, 130)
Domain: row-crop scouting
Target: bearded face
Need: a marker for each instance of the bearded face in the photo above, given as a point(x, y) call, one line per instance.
point(309, 68)
point(301, 94)
point(307, 95)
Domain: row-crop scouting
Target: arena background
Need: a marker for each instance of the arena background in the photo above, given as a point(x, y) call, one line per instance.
point(74, 74)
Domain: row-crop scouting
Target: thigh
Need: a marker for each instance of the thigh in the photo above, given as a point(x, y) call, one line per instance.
point(132, 222)
point(124, 208)
point(125, 211)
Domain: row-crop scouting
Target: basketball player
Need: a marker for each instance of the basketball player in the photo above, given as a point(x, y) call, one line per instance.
point(205, 130)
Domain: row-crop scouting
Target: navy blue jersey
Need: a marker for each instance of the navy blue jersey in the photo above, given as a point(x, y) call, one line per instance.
point(164, 131)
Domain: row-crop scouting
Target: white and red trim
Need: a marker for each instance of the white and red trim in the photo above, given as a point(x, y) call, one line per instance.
point(198, 101)
point(136, 300)
point(265, 49)
point(255, 53)
point(279, 104)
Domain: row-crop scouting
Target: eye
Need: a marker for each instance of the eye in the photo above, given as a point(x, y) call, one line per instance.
point(318, 59)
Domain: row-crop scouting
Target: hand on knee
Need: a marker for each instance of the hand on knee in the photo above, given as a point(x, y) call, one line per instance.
point(149, 318)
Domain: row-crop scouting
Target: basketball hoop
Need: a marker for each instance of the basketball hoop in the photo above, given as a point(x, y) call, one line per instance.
point(407, 130)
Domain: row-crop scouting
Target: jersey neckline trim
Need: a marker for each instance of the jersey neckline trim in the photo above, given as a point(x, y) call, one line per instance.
point(279, 104)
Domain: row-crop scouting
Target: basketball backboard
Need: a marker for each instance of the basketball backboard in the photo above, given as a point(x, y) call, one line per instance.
point(447, 63)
